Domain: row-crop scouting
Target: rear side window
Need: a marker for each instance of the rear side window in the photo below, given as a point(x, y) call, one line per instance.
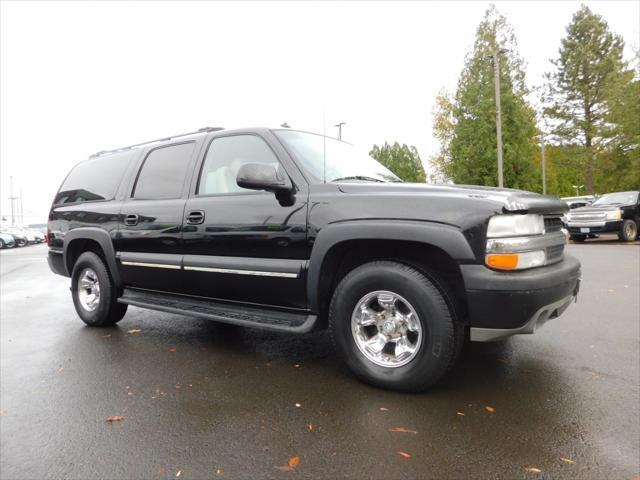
point(163, 172)
point(94, 179)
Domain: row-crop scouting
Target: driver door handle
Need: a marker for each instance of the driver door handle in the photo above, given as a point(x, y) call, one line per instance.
point(131, 219)
point(195, 217)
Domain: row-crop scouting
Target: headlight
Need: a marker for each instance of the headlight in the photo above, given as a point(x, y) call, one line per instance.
point(614, 215)
point(517, 242)
point(515, 225)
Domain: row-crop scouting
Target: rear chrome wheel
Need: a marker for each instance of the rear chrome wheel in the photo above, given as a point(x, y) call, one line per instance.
point(94, 293)
point(89, 289)
point(386, 329)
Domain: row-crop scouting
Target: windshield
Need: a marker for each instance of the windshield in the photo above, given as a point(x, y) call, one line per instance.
point(343, 160)
point(621, 198)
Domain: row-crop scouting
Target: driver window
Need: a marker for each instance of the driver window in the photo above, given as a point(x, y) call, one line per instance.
point(225, 157)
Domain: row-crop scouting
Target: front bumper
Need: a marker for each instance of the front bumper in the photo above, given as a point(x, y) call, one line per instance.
point(502, 304)
point(584, 228)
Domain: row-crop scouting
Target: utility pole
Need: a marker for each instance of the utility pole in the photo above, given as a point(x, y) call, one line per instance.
point(496, 74)
point(339, 125)
point(544, 164)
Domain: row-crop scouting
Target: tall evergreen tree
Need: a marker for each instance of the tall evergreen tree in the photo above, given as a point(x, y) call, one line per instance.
point(465, 124)
point(402, 160)
point(589, 67)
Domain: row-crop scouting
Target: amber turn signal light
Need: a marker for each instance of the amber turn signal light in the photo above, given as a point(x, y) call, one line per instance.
point(502, 261)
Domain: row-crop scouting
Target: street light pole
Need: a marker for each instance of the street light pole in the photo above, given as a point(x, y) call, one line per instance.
point(339, 125)
point(496, 74)
point(577, 187)
point(13, 199)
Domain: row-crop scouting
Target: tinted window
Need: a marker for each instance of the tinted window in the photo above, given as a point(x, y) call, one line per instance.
point(225, 157)
point(163, 172)
point(94, 179)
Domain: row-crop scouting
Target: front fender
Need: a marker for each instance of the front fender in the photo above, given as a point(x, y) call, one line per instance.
point(447, 238)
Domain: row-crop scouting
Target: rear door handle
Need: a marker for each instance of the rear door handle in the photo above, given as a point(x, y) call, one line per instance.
point(195, 217)
point(131, 219)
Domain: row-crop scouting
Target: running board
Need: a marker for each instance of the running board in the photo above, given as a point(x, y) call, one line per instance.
point(242, 315)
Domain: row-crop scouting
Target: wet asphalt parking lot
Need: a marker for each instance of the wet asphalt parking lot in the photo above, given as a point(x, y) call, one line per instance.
point(203, 400)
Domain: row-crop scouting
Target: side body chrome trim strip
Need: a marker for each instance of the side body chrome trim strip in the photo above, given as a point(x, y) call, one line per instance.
point(151, 265)
point(243, 272)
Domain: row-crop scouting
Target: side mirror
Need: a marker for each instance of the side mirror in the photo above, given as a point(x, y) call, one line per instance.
point(260, 176)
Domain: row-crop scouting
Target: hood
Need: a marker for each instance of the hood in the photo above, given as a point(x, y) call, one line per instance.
point(597, 208)
point(504, 199)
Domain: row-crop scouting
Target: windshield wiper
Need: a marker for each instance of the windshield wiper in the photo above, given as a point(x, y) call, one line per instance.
point(359, 177)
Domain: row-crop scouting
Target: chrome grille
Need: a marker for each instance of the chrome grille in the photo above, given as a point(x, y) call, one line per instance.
point(587, 217)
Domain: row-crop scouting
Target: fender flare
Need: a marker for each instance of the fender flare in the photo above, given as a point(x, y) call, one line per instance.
point(103, 239)
point(447, 238)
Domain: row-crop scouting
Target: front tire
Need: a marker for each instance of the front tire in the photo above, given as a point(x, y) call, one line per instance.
point(628, 231)
point(394, 326)
point(94, 293)
point(578, 238)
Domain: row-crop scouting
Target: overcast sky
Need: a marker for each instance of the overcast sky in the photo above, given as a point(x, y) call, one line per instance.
point(80, 77)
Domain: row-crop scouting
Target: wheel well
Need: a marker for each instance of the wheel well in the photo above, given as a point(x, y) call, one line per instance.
point(77, 247)
point(345, 256)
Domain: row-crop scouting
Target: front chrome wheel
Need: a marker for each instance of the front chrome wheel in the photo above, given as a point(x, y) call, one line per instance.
point(88, 289)
point(386, 329)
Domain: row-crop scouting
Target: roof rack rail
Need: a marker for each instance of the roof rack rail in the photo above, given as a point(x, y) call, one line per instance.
point(129, 147)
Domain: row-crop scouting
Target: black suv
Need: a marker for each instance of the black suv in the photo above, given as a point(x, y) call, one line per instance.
point(611, 213)
point(291, 231)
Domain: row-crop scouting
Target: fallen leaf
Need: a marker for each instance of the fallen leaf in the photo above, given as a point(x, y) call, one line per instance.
point(490, 409)
point(567, 460)
point(297, 365)
point(178, 473)
point(533, 470)
point(178, 386)
point(298, 405)
point(382, 409)
point(60, 369)
point(460, 413)
point(404, 454)
point(310, 427)
point(502, 360)
point(106, 336)
point(114, 418)
point(172, 349)
point(133, 331)
point(611, 290)
point(291, 464)
point(402, 430)
point(218, 472)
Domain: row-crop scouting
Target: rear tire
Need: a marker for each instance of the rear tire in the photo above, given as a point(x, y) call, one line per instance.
point(369, 319)
point(94, 293)
point(628, 231)
point(578, 238)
